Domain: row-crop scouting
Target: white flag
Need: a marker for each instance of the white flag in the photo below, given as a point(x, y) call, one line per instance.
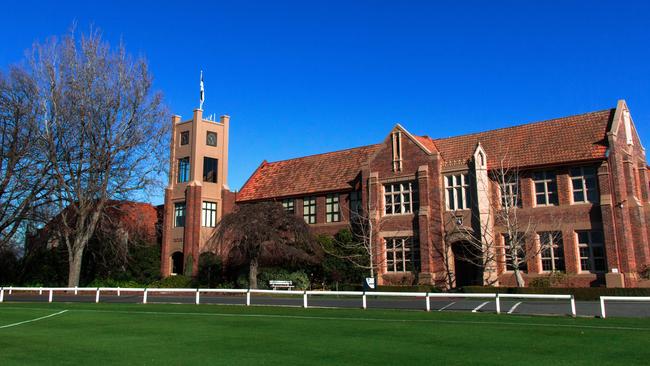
point(202, 96)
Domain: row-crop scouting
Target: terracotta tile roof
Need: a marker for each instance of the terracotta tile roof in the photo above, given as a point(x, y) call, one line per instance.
point(574, 138)
point(316, 173)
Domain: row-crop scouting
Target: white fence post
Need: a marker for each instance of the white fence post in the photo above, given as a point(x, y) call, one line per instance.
point(428, 302)
point(602, 308)
point(304, 300)
point(364, 303)
point(118, 291)
point(197, 296)
point(2, 294)
point(498, 303)
point(49, 299)
point(10, 289)
point(144, 296)
point(76, 290)
point(97, 296)
point(248, 297)
point(573, 306)
point(40, 291)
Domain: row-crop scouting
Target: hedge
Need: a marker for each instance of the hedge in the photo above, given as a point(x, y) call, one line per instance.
point(580, 293)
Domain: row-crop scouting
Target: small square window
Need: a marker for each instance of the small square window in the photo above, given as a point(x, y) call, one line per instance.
point(185, 137)
point(211, 139)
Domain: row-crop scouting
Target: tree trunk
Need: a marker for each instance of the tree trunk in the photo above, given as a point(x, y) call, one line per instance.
point(74, 268)
point(252, 273)
point(519, 278)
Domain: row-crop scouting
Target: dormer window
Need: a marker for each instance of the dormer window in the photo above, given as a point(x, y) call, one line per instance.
point(396, 138)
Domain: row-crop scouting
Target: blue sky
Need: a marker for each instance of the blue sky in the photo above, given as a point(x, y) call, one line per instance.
point(305, 77)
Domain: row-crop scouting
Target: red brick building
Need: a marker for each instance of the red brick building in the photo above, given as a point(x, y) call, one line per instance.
point(583, 178)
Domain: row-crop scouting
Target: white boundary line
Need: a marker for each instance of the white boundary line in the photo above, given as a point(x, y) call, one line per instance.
point(480, 306)
point(514, 307)
point(446, 306)
point(32, 320)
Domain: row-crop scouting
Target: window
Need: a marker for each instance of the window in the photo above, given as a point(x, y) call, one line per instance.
point(545, 188)
point(401, 255)
point(510, 193)
point(585, 188)
point(515, 252)
point(355, 203)
point(211, 138)
point(309, 209)
point(332, 208)
point(179, 214)
point(209, 214)
point(457, 193)
point(552, 251)
point(398, 198)
point(210, 169)
point(183, 170)
point(185, 137)
point(592, 251)
point(288, 205)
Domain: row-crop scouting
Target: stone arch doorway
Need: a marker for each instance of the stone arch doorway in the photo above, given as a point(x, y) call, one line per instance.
point(466, 272)
point(177, 263)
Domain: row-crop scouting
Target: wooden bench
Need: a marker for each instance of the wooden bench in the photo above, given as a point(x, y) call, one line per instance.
point(281, 284)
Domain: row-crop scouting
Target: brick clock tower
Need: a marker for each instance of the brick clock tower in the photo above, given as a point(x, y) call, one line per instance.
point(197, 194)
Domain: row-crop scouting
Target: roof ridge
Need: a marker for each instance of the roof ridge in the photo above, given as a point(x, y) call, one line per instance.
point(523, 124)
point(319, 154)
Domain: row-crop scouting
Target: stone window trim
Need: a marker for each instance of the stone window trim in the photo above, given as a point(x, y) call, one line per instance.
point(508, 266)
point(510, 192)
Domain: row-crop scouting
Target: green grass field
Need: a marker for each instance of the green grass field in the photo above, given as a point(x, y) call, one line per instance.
point(103, 334)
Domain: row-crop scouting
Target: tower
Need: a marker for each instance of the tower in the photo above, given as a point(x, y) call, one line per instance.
point(197, 194)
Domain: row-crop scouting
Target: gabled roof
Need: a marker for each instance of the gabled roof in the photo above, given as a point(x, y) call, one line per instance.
point(568, 139)
point(301, 176)
point(575, 138)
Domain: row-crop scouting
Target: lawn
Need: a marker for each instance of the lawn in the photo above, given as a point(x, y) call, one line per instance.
point(106, 334)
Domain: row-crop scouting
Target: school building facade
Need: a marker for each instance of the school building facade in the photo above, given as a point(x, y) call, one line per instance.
point(583, 178)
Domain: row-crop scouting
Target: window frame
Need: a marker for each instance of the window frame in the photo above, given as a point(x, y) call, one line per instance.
point(184, 170)
point(555, 248)
point(509, 265)
point(208, 214)
point(459, 183)
point(332, 208)
point(510, 191)
point(289, 205)
point(180, 212)
point(207, 138)
point(589, 246)
point(186, 135)
point(546, 178)
point(405, 207)
point(408, 252)
point(206, 160)
point(582, 175)
point(309, 209)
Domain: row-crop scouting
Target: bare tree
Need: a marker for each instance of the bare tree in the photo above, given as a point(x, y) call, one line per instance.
point(24, 183)
point(102, 129)
point(508, 236)
point(262, 232)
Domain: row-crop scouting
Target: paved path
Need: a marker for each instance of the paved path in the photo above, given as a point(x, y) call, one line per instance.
point(512, 306)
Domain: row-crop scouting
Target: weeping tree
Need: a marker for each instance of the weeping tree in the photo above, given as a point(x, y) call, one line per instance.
point(101, 126)
point(263, 232)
